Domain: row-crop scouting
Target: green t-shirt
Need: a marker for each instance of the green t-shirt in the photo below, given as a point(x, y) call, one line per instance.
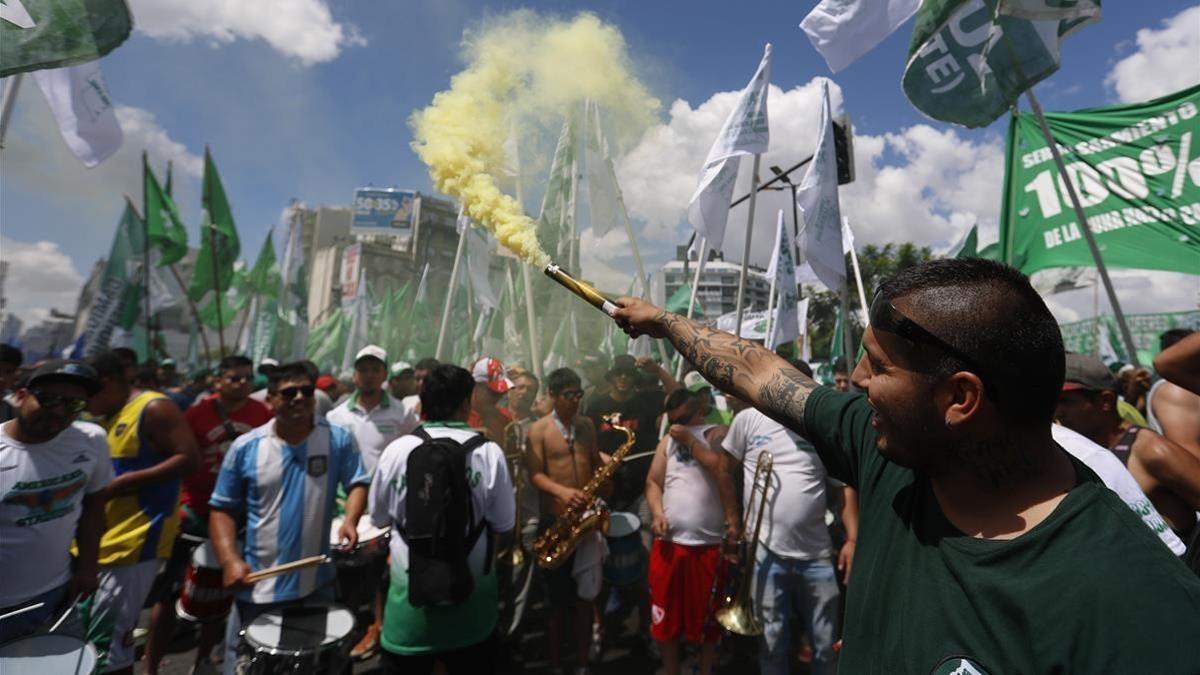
point(1090, 589)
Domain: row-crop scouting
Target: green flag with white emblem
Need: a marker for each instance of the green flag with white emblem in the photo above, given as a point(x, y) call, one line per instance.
point(968, 62)
point(37, 34)
point(219, 249)
point(163, 223)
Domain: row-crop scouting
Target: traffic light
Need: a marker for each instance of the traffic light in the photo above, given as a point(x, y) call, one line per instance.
point(843, 147)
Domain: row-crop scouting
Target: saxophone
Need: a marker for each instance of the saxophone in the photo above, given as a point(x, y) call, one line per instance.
point(555, 545)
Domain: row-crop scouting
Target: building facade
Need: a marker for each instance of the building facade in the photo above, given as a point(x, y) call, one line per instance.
point(719, 281)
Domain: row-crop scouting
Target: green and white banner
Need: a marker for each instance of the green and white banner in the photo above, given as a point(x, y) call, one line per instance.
point(969, 60)
point(36, 34)
point(1097, 335)
point(1136, 169)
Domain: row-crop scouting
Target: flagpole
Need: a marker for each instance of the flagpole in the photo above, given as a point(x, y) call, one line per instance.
point(8, 102)
point(195, 315)
point(146, 264)
point(741, 296)
point(458, 253)
point(862, 293)
point(691, 308)
point(1126, 336)
point(212, 245)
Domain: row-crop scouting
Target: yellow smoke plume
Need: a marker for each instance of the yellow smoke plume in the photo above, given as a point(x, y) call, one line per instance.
point(521, 68)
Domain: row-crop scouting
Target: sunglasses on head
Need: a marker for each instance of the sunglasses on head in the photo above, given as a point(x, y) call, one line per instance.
point(49, 399)
point(289, 393)
point(884, 316)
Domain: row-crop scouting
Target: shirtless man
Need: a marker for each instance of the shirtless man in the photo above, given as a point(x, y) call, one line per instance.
point(1172, 409)
point(563, 456)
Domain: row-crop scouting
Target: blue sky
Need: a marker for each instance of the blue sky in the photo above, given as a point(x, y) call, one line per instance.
point(287, 119)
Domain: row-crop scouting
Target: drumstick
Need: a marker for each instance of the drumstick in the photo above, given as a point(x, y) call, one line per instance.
point(70, 608)
point(27, 608)
point(255, 577)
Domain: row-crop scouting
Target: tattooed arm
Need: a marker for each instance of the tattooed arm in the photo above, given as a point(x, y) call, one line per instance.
point(740, 367)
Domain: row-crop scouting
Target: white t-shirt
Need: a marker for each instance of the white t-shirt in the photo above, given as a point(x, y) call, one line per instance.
point(1118, 479)
point(794, 525)
point(41, 491)
point(491, 490)
point(691, 501)
point(373, 430)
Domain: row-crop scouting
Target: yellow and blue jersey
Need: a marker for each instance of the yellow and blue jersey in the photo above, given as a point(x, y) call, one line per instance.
point(142, 525)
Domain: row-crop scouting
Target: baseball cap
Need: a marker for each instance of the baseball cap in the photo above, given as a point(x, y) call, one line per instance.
point(399, 367)
point(325, 383)
point(62, 370)
point(491, 372)
point(623, 364)
point(1087, 372)
point(694, 381)
point(266, 366)
point(371, 352)
point(167, 363)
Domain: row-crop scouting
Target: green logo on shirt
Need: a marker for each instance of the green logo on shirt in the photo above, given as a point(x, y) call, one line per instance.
point(959, 665)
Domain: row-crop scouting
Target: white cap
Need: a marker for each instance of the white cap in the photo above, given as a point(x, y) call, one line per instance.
point(371, 351)
point(694, 381)
point(268, 362)
point(400, 366)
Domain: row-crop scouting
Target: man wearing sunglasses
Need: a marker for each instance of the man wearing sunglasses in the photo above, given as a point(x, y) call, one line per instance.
point(279, 481)
point(53, 474)
point(984, 546)
point(215, 422)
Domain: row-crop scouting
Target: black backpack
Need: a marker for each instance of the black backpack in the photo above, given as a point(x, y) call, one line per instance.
point(437, 513)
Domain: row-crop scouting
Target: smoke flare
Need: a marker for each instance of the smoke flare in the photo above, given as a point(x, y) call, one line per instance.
point(521, 67)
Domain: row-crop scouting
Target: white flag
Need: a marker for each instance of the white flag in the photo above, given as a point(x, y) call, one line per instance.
point(821, 240)
point(785, 326)
point(479, 248)
point(844, 30)
point(744, 133)
point(847, 237)
point(603, 192)
point(83, 109)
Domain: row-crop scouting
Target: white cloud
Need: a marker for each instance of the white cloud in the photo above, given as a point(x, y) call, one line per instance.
point(919, 184)
point(1139, 292)
point(1166, 60)
point(301, 29)
point(79, 207)
point(40, 277)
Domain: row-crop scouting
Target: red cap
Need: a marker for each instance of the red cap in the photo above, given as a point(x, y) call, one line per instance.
point(491, 372)
point(326, 382)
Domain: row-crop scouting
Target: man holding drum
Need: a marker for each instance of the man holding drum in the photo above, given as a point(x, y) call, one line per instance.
point(279, 482)
point(53, 474)
point(216, 421)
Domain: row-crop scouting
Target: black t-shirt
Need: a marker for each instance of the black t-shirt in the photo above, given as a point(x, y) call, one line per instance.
point(640, 414)
point(1089, 589)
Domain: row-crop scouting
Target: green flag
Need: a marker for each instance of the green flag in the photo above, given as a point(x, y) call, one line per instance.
point(969, 248)
point(163, 224)
point(219, 249)
point(36, 34)
point(1136, 172)
point(263, 279)
point(556, 224)
point(678, 302)
point(968, 63)
point(116, 302)
point(327, 341)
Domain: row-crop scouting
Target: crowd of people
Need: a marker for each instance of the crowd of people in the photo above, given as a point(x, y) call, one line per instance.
point(975, 498)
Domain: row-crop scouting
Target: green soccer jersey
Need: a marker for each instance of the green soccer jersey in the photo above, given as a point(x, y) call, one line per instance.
point(1090, 589)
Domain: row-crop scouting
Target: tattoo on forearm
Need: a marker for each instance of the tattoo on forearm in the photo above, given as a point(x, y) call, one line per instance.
point(741, 367)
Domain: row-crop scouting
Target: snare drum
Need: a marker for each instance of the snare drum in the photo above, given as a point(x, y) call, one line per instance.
point(626, 563)
point(46, 654)
point(203, 596)
point(372, 543)
point(314, 638)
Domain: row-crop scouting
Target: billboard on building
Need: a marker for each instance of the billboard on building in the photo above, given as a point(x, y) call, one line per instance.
point(351, 262)
point(385, 211)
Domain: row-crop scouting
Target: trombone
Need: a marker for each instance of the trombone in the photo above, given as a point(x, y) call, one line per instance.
point(736, 613)
point(514, 452)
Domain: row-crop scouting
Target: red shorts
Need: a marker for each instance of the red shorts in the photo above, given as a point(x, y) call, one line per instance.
point(681, 582)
